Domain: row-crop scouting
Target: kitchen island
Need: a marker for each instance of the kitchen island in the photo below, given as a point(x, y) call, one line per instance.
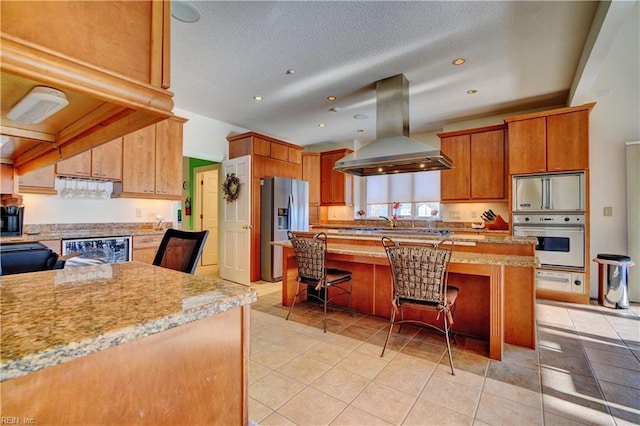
point(495, 275)
point(124, 343)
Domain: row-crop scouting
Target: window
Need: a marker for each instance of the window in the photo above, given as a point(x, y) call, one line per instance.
point(417, 193)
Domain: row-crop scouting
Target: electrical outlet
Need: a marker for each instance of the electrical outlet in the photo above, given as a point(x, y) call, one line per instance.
point(454, 214)
point(474, 214)
point(607, 211)
point(138, 212)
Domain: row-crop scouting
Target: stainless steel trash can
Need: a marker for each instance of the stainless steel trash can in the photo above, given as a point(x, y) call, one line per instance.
point(614, 284)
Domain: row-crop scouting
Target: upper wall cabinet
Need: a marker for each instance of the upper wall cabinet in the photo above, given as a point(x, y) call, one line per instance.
point(550, 141)
point(152, 162)
point(40, 181)
point(311, 174)
point(110, 59)
point(478, 157)
point(103, 162)
point(336, 188)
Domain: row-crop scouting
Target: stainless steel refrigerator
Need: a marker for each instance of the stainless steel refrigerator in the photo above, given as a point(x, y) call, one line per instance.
point(284, 206)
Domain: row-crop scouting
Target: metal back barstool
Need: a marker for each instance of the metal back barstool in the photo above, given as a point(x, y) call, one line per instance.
point(419, 280)
point(329, 283)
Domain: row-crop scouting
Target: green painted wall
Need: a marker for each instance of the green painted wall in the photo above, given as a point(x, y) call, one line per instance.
point(193, 163)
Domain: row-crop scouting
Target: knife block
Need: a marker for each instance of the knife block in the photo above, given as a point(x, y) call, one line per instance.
point(498, 224)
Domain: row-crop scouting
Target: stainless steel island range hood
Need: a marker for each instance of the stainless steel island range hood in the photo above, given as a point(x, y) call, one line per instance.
point(393, 151)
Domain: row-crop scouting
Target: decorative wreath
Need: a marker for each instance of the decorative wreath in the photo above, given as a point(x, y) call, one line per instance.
point(231, 187)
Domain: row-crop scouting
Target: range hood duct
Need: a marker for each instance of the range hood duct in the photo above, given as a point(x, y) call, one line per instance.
point(393, 151)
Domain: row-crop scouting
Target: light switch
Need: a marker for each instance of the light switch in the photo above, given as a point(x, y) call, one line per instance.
point(607, 211)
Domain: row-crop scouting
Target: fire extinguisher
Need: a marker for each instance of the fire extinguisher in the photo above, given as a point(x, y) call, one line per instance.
point(187, 206)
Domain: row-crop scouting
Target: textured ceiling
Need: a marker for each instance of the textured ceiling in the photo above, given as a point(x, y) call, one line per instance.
point(519, 55)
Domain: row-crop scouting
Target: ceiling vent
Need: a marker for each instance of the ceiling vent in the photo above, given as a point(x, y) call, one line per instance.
point(39, 104)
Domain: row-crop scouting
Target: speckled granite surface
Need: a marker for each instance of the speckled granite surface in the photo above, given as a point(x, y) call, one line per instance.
point(51, 317)
point(86, 230)
point(456, 256)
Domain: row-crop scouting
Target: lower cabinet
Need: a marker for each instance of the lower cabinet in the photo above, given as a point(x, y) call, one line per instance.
point(145, 247)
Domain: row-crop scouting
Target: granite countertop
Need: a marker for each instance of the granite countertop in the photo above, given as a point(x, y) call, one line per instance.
point(85, 230)
point(51, 317)
point(405, 234)
point(456, 256)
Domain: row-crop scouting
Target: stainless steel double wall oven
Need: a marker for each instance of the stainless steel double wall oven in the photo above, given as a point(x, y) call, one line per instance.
point(551, 208)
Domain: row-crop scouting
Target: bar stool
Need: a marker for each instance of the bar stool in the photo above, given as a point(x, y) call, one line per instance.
point(310, 254)
point(419, 275)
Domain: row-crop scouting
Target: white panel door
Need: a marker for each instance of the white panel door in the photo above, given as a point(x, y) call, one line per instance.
point(235, 224)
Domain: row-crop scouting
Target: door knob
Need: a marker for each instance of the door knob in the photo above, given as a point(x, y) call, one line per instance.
point(245, 227)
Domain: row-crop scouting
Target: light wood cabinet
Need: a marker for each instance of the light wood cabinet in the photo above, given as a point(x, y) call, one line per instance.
point(106, 160)
point(145, 247)
point(138, 162)
point(479, 159)
point(152, 161)
point(103, 162)
point(336, 188)
point(550, 141)
point(8, 179)
point(269, 157)
point(39, 181)
point(115, 69)
point(311, 174)
point(168, 178)
point(78, 165)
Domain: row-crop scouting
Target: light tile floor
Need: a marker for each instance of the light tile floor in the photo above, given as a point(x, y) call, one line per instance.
point(586, 370)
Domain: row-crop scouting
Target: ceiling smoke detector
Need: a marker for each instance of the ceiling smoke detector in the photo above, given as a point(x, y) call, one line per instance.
point(39, 104)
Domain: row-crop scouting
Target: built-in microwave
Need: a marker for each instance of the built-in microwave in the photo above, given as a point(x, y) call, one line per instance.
point(549, 192)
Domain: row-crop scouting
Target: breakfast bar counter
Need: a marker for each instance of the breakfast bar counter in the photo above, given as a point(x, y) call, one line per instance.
point(496, 281)
point(123, 343)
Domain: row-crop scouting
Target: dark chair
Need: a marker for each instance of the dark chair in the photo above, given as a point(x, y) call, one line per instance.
point(329, 283)
point(180, 250)
point(419, 275)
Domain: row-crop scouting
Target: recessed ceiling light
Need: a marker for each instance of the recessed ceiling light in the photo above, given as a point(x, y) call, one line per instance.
point(458, 61)
point(360, 130)
point(257, 98)
point(360, 116)
point(290, 71)
point(331, 98)
point(184, 12)
point(334, 109)
point(321, 125)
point(472, 92)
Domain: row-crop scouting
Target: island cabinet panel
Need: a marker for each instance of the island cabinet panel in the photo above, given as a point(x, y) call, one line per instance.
point(479, 165)
point(191, 374)
point(269, 158)
point(311, 174)
point(39, 181)
point(549, 141)
point(336, 188)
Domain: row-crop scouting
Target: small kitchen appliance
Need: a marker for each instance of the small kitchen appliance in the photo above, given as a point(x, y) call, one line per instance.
point(11, 218)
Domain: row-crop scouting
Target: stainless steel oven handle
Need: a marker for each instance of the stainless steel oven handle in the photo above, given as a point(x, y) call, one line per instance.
point(554, 279)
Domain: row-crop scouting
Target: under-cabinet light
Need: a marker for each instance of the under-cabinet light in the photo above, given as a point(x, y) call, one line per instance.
point(39, 104)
